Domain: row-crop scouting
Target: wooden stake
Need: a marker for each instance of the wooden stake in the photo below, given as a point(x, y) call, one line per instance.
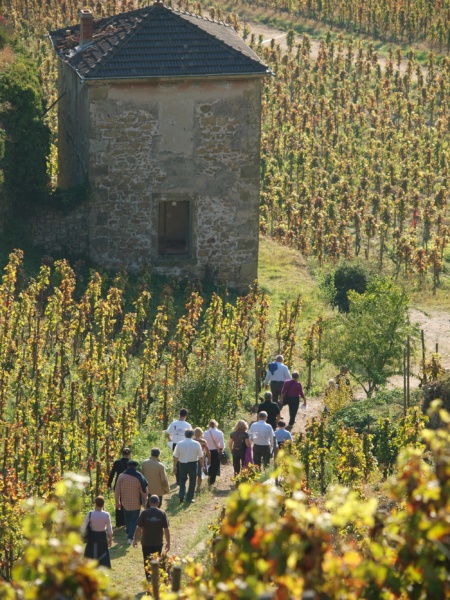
point(165, 415)
point(155, 578)
point(408, 369)
point(404, 381)
point(424, 376)
point(176, 579)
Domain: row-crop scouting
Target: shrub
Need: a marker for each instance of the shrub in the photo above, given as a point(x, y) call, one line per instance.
point(27, 137)
point(208, 392)
point(343, 279)
point(364, 415)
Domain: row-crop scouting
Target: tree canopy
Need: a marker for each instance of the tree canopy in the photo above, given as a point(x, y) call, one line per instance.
point(370, 338)
point(26, 135)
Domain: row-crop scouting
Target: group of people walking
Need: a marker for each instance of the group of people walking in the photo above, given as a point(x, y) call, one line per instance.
point(197, 455)
point(133, 490)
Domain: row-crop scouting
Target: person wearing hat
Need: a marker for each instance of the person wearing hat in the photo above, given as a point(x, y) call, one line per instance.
point(119, 467)
point(152, 524)
point(277, 374)
point(131, 493)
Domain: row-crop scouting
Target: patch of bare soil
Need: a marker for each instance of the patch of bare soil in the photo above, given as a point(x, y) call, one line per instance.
point(436, 328)
point(314, 408)
point(272, 33)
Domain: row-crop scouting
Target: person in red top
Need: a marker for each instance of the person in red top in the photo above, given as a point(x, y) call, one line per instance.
point(291, 393)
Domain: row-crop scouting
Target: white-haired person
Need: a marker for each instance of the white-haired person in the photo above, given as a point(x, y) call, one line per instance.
point(198, 437)
point(261, 434)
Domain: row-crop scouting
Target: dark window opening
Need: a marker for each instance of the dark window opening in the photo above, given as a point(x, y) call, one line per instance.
point(173, 230)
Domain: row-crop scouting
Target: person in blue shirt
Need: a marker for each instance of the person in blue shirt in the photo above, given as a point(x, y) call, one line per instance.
point(282, 436)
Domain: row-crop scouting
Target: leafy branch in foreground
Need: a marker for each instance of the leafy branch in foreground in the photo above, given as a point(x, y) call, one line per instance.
point(349, 549)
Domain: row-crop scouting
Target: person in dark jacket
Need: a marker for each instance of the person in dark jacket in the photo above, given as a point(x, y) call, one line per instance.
point(290, 396)
point(119, 467)
point(271, 408)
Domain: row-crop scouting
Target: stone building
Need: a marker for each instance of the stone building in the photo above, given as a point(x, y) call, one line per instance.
point(160, 110)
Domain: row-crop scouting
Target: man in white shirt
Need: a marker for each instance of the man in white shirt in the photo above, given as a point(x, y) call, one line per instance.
point(261, 434)
point(277, 374)
point(186, 456)
point(216, 444)
point(175, 433)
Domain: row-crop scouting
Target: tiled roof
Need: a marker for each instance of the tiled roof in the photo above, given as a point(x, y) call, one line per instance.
point(157, 41)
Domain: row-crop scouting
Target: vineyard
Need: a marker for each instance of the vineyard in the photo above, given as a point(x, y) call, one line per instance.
point(355, 151)
point(355, 156)
point(79, 376)
point(354, 165)
point(392, 20)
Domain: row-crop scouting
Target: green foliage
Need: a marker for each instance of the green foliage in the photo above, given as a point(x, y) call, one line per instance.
point(386, 444)
point(353, 457)
point(336, 399)
point(370, 338)
point(208, 392)
point(439, 389)
point(363, 415)
point(341, 280)
point(348, 549)
point(250, 473)
point(70, 197)
point(313, 449)
point(27, 137)
point(52, 565)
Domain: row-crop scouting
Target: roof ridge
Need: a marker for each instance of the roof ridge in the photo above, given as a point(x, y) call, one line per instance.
point(191, 14)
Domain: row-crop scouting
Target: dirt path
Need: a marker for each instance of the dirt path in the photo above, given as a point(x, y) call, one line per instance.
point(272, 33)
point(189, 524)
point(436, 327)
point(189, 540)
point(314, 408)
point(188, 528)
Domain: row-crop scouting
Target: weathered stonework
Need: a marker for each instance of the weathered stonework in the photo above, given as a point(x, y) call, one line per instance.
point(59, 232)
point(188, 146)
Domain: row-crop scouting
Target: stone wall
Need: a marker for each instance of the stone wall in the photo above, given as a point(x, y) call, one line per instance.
point(196, 141)
point(56, 231)
point(169, 141)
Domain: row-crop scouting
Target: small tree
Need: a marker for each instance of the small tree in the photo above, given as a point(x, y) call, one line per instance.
point(370, 338)
point(341, 281)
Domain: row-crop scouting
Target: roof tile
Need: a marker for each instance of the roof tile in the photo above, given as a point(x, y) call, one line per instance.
point(157, 41)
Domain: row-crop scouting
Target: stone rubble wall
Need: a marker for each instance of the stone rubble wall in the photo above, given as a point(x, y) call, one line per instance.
point(156, 142)
point(143, 143)
point(57, 231)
